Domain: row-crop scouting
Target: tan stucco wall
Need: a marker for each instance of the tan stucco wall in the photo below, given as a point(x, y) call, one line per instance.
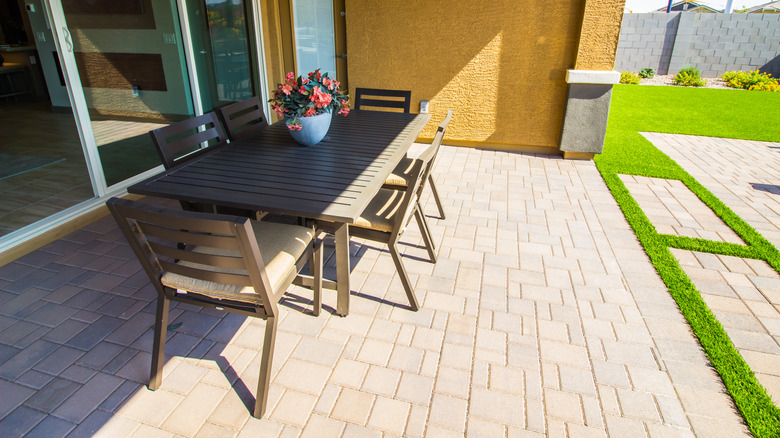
point(600, 33)
point(499, 65)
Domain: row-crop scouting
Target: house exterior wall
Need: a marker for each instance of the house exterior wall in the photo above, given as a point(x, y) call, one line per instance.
point(599, 35)
point(714, 43)
point(499, 66)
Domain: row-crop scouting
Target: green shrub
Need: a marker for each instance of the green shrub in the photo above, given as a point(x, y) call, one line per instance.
point(647, 72)
point(752, 80)
point(627, 77)
point(690, 77)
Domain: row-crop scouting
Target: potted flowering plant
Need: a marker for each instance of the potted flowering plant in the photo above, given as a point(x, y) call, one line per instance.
point(307, 103)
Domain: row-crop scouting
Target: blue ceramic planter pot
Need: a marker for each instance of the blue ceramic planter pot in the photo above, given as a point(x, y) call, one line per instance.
point(313, 129)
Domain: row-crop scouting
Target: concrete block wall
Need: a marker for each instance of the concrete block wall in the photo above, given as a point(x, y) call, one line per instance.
point(646, 40)
point(714, 43)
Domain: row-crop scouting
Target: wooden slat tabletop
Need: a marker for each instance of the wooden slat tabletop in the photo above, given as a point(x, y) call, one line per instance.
point(333, 180)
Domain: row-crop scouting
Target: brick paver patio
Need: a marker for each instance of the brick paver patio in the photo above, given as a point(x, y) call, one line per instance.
point(543, 316)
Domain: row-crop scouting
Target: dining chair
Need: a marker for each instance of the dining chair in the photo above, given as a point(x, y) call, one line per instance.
point(182, 141)
point(390, 211)
point(399, 177)
point(242, 119)
point(367, 97)
point(229, 263)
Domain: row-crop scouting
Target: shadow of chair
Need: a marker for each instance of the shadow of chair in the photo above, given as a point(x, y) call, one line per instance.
point(222, 262)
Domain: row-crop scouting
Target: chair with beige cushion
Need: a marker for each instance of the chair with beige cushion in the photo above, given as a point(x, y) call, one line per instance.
point(400, 176)
point(229, 263)
point(387, 216)
point(389, 100)
point(243, 118)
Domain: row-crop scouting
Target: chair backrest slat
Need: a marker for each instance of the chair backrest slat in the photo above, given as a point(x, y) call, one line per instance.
point(190, 237)
point(361, 99)
point(226, 260)
point(174, 140)
point(243, 118)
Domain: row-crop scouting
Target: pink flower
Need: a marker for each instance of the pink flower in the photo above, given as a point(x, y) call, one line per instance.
point(343, 111)
point(328, 83)
point(286, 89)
point(305, 81)
point(302, 90)
point(294, 127)
point(290, 77)
point(310, 112)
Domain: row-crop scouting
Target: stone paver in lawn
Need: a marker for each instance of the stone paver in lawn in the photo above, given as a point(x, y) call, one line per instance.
point(673, 209)
point(543, 316)
point(749, 315)
point(744, 174)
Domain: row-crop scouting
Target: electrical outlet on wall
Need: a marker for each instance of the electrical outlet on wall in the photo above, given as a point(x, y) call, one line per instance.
point(423, 107)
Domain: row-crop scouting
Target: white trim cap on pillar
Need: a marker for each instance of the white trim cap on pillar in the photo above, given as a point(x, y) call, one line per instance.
point(592, 77)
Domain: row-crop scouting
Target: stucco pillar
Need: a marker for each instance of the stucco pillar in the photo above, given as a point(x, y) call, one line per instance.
point(587, 112)
point(590, 81)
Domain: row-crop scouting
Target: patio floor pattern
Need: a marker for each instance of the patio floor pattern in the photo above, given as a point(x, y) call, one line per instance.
point(543, 316)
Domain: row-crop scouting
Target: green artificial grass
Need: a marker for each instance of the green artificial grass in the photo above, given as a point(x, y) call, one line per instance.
point(707, 112)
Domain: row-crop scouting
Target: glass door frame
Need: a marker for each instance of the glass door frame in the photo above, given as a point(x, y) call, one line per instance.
point(65, 52)
point(256, 48)
point(339, 35)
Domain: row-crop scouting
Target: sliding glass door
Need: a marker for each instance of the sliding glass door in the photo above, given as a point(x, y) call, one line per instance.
point(133, 74)
point(43, 169)
point(221, 51)
point(103, 74)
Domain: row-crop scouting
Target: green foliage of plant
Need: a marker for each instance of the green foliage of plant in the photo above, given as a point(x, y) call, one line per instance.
point(695, 112)
point(751, 80)
point(691, 70)
point(629, 78)
point(647, 72)
point(690, 77)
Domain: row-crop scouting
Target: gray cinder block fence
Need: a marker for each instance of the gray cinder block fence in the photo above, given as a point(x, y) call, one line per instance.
point(714, 43)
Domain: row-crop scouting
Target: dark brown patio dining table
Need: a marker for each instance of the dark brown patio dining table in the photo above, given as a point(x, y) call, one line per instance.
point(332, 181)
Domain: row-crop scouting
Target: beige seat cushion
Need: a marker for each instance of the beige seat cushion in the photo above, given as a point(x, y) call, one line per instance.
point(380, 213)
point(281, 245)
point(400, 175)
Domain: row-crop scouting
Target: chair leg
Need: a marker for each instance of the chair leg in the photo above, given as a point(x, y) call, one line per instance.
point(436, 196)
point(422, 223)
point(158, 348)
point(399, 266)
point(316, 272)
point(264, 380)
